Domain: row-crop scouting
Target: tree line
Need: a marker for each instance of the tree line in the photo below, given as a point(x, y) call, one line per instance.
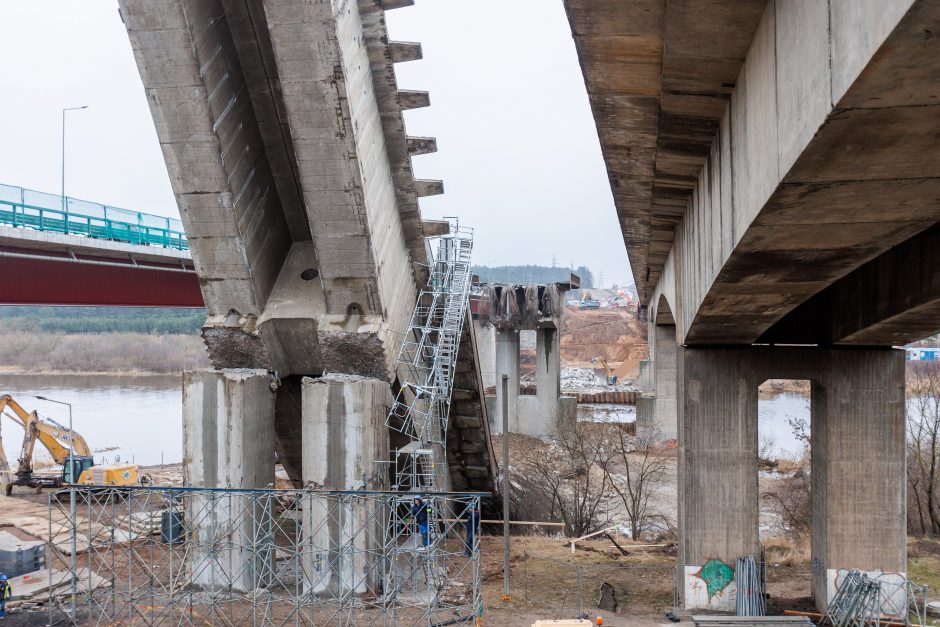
point(93, 320)
point(532, 274)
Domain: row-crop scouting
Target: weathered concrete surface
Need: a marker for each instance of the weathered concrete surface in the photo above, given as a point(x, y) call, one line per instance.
point(507, 363)
point(659, 76)
point(344, 427)
point(486, 350)
point(858, 460)
point(286, 149)
point(470, 456)
point(901, 290)
point(227, 435)
point(347, 444)
point(547, 411)
point(228, 443)
point(665, 413)
point(800, 145)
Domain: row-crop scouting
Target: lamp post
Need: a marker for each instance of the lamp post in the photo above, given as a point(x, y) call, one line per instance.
point(71, 475)
point(64, 204)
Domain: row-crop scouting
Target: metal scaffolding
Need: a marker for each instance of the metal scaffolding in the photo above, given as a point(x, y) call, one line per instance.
point(186, 556)
point(425, 366)
point(426, 363)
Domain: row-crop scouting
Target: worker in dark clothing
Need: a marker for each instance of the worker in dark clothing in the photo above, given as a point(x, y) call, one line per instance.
point(420, 513)
point(6, 591)
point(473, 524)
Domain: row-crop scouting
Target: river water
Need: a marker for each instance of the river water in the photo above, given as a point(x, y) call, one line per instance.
point(140, 417)
point(774, 415)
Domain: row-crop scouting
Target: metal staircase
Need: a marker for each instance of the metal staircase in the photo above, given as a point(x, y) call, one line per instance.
point(427, 360)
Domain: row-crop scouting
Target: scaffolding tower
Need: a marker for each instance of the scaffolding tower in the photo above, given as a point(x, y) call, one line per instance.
point(426, 363)
point(420, 558)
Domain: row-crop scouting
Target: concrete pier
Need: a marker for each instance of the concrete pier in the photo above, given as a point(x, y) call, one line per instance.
point(665, 413)
point(346, 443)
point(507, 362)
point(858, 463)
point(533, 308)
point(344, 421)
point(228, 441)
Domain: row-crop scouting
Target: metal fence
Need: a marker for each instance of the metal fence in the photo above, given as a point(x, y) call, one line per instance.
point(562, 589)
point(156, 556)
point(28, 208)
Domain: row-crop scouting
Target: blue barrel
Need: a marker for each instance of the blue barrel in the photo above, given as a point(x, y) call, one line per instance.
point(171, 527)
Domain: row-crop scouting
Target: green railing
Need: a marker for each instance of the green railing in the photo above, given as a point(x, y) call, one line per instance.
point(47, 212)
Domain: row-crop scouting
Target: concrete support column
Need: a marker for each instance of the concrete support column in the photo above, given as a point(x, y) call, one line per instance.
point(858, 469)
point(547, 366)
point(486, 352)
point(507, 362)
point(663, 424)
point(346, 441)
point(858, 464)
point(228, 442)
point(717, 473)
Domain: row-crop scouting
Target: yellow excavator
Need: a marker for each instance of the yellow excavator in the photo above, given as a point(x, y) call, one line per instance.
point(55, 438)
point(611, 377)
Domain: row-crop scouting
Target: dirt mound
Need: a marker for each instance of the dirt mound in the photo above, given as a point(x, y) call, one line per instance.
point(614, 334)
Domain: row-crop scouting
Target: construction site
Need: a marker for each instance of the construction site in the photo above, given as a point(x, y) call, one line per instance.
point(746, 433)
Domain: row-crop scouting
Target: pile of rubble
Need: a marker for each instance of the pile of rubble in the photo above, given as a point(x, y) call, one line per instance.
point(582, 380)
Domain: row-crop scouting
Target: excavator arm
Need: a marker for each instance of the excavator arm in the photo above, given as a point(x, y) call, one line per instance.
point(53, 436)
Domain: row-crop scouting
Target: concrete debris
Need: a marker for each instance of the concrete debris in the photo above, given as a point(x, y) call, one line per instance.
point(585, 380)
point(35, 586)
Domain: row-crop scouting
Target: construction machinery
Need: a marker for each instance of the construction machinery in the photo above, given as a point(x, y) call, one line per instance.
point(611, 377)
point(586, 302)
point(56, 438)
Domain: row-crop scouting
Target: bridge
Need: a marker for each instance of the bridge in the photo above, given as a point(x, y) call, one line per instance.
point(774, 166)
point(57, 251)
point(282, 131)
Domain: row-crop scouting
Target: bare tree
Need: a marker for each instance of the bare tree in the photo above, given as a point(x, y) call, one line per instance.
point(634, 473)
point(923, 448)
point(566, 472)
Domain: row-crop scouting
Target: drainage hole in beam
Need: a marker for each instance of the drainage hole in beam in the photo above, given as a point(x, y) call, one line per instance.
point(309, 274)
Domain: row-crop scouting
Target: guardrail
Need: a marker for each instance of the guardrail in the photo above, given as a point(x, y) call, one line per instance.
point(27, 208)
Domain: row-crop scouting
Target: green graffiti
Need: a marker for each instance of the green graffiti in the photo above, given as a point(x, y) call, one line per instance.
point(716, 575)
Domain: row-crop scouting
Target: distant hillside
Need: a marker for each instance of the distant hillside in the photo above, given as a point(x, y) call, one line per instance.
point(158, 321)
point(531, 274)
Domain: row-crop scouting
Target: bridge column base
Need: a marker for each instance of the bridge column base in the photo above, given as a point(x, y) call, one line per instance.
point(228, 442)
point(345, 443)
point(858, 463)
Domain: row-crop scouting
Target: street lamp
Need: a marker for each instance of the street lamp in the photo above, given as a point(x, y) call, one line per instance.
point(64, 206)
point(71, 473)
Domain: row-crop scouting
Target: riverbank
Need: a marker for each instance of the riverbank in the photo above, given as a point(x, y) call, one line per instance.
point(104, 353)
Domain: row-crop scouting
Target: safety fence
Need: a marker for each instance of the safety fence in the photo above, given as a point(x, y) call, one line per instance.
point(28, 208)
point(155, 556)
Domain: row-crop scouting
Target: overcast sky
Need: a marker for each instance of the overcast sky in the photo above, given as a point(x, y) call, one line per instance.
point(518, 151)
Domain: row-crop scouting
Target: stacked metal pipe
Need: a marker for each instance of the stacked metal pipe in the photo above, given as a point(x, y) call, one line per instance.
point(857, 601)
point(750, 599)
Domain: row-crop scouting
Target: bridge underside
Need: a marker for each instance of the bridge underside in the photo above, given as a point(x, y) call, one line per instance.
point(775, 168)
point(51, 269)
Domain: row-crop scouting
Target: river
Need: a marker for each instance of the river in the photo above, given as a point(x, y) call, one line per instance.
point(774, 413)
point(139, 417)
